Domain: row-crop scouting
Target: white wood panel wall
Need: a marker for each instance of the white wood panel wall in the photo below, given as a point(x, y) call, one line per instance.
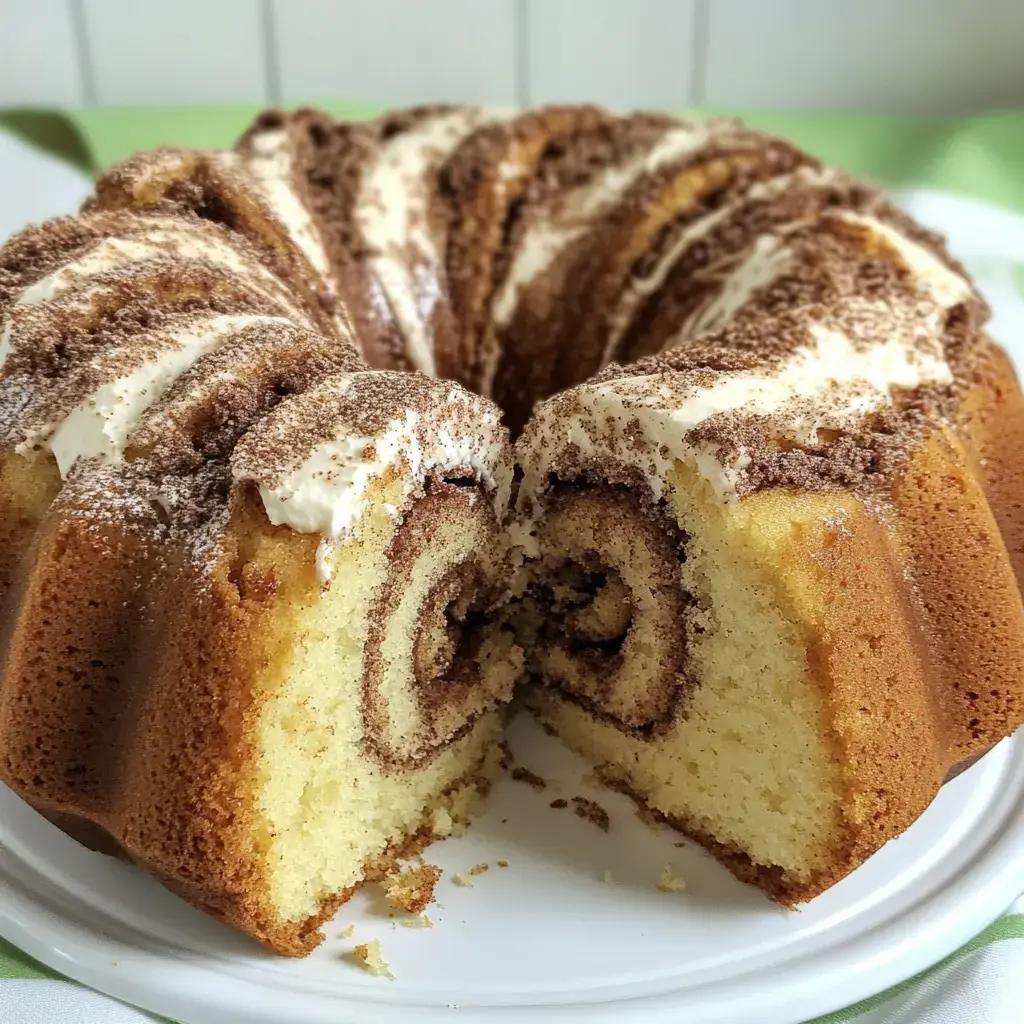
point(884, 56)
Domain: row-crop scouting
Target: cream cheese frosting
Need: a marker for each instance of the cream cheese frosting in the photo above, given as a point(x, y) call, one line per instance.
point(641, 288)
point(929, 273)
point(392, 214)
point(157, 238)
point(577, 212)
point(767, 261)
point(270, 162)
point(315, 472)
point(839, 377)
point(99, 425)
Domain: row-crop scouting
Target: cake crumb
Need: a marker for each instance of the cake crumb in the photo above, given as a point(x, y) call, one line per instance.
point(347, 933)
point(530, 778)
point(591, 811)
point(679, 845)
point(479, 869)
point(670, 882)
point(368, 954)
point(421, 921)
point(559, 804)
point(412, 890)
point(502, 863)
point(608, 876)
point(441, 823)
point(649, 818)
point(463, 880)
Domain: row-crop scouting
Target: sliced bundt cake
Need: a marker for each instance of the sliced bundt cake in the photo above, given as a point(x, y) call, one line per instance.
point(268, 573)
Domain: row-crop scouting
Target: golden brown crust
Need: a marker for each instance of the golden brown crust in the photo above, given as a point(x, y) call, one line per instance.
point(161, 763)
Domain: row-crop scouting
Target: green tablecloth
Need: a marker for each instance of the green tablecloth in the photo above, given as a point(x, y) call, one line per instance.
point(980, 155)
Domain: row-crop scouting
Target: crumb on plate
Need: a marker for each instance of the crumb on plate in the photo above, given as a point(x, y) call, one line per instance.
point(591, 811)
point(421, 921)
point(530, 778)
point(668, 881)
point(369, 955)
point(412, 890)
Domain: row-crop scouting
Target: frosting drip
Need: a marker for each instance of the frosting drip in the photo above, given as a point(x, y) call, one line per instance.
point(392, 212)
point(270, 162)
point(577, 212)
point(98, 426)
point(318, 455)
point(830, 382)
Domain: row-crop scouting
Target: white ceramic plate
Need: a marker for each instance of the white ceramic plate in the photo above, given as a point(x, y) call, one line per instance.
point(547, 938)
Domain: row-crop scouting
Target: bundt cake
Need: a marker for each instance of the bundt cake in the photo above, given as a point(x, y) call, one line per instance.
point(271, 567)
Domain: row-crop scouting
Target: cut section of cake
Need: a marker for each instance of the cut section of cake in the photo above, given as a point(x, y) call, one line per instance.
point(246, 581)
point(764, 590)
point(275, 607)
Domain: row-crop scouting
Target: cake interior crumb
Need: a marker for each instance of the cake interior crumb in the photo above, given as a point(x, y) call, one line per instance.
point(502, 863)
point(608, 876)
point(463, 880)
point(668, 881)
point(347, 933)
point(412, 890)
point(479, 869)
point(441, 823)
point(369, 955)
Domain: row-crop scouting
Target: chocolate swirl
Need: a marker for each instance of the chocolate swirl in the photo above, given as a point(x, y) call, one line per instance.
point(433, 646)
point(606, 606)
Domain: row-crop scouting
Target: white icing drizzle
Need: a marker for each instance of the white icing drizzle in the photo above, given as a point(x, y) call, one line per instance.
point(391, 213)
point(641, 288)
point(768, 260)
point(100, 424)
point(326, 490)
point(162, 238)
point(270, 162)
point(933, 277)
point(579, 209)
point(842, 381)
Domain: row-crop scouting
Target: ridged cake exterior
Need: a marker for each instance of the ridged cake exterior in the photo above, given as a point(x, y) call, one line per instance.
point(239, 566)
point(268, 573)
